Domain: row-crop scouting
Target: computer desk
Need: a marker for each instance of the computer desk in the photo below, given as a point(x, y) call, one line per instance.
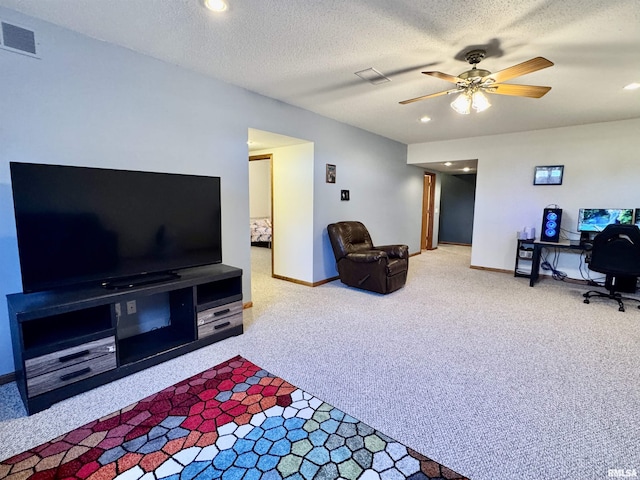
point(537, 253)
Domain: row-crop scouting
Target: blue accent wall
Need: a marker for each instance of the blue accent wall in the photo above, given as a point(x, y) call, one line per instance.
point(457, 199)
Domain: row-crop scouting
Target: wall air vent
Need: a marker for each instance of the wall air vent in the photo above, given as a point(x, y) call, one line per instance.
point(17, 39)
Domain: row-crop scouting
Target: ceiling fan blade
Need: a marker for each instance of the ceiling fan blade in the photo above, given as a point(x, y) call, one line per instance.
point(445, 76)
point(523, 68)
point(531, 91)
point(432, 95)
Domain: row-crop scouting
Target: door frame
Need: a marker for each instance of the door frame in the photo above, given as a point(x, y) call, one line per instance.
point(268, 156)
point(428, 202)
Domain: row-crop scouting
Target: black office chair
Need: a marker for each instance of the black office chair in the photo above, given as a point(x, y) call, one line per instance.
point(616, 253)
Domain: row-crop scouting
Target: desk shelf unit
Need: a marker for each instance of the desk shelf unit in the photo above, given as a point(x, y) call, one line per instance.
point(524, 258)
point(71, 340)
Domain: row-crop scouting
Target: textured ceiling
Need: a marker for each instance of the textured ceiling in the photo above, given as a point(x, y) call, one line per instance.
point(306, 52)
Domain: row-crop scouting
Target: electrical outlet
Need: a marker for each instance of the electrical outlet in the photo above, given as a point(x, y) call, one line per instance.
point(131, 307)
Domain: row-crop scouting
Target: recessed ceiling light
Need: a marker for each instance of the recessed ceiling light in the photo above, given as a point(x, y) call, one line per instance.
point(447, 164)
point(425, 119)
point(632, 86)
point(466, 169)
point(216, 5)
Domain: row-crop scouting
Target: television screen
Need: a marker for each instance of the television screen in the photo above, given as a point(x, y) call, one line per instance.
point(596, 219)
point(77, 224)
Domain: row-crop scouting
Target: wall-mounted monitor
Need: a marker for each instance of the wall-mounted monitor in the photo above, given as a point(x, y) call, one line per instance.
point(596, 219)
point(548, 175)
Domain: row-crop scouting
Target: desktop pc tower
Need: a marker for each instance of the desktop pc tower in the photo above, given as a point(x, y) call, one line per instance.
point(550, 231)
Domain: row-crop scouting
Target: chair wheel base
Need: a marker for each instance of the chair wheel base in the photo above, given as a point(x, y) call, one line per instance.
point(611, 295)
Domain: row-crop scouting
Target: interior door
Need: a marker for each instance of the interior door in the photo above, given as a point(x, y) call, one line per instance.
point(428, 194)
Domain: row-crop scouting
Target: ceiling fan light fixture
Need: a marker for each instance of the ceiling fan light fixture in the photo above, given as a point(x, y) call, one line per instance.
point(472, 85)
point(462, 104)
point(479, 101)
point(468, 100)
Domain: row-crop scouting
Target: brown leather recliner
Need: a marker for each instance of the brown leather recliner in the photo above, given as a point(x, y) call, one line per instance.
point(360, 264)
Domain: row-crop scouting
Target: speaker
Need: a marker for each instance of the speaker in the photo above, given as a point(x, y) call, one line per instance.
point(551, 225)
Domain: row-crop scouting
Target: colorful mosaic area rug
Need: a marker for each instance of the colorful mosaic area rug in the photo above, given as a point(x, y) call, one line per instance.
point(235, 421)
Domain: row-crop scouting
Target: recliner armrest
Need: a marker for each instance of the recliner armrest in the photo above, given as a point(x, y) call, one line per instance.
point(395, 251)
point(367, 256)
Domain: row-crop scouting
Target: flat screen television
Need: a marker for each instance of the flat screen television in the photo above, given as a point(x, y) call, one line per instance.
point(596, 219)
point(78, 225)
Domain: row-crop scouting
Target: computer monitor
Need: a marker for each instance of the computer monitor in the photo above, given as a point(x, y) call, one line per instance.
point(596, 219)
point(636, 220)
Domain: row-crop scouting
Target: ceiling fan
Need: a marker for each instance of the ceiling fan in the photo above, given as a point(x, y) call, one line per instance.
point(472, 84)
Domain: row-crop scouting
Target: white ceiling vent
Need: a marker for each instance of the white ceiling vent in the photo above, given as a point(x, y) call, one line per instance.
point(17, 39)
point(373, 76)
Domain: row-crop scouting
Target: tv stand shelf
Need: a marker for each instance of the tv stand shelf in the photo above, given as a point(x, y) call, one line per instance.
point(71, 340)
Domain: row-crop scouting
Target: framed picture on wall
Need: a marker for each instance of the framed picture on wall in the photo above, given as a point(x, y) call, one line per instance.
point(548, 175)
point(331, 173)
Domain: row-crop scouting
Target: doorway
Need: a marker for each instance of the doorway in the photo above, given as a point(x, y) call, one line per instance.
point(261, 206)
point(291, 185)
point(457, 204)
point(428, 201)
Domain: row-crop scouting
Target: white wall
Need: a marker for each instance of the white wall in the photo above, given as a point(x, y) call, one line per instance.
point(85, 102)
point(385, 196)
point(602, 169)
point(260, 188)
point(292, 211)
point(304, 204)
point(386, 193)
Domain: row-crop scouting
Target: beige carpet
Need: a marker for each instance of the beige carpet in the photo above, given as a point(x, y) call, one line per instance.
point(475, 369)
